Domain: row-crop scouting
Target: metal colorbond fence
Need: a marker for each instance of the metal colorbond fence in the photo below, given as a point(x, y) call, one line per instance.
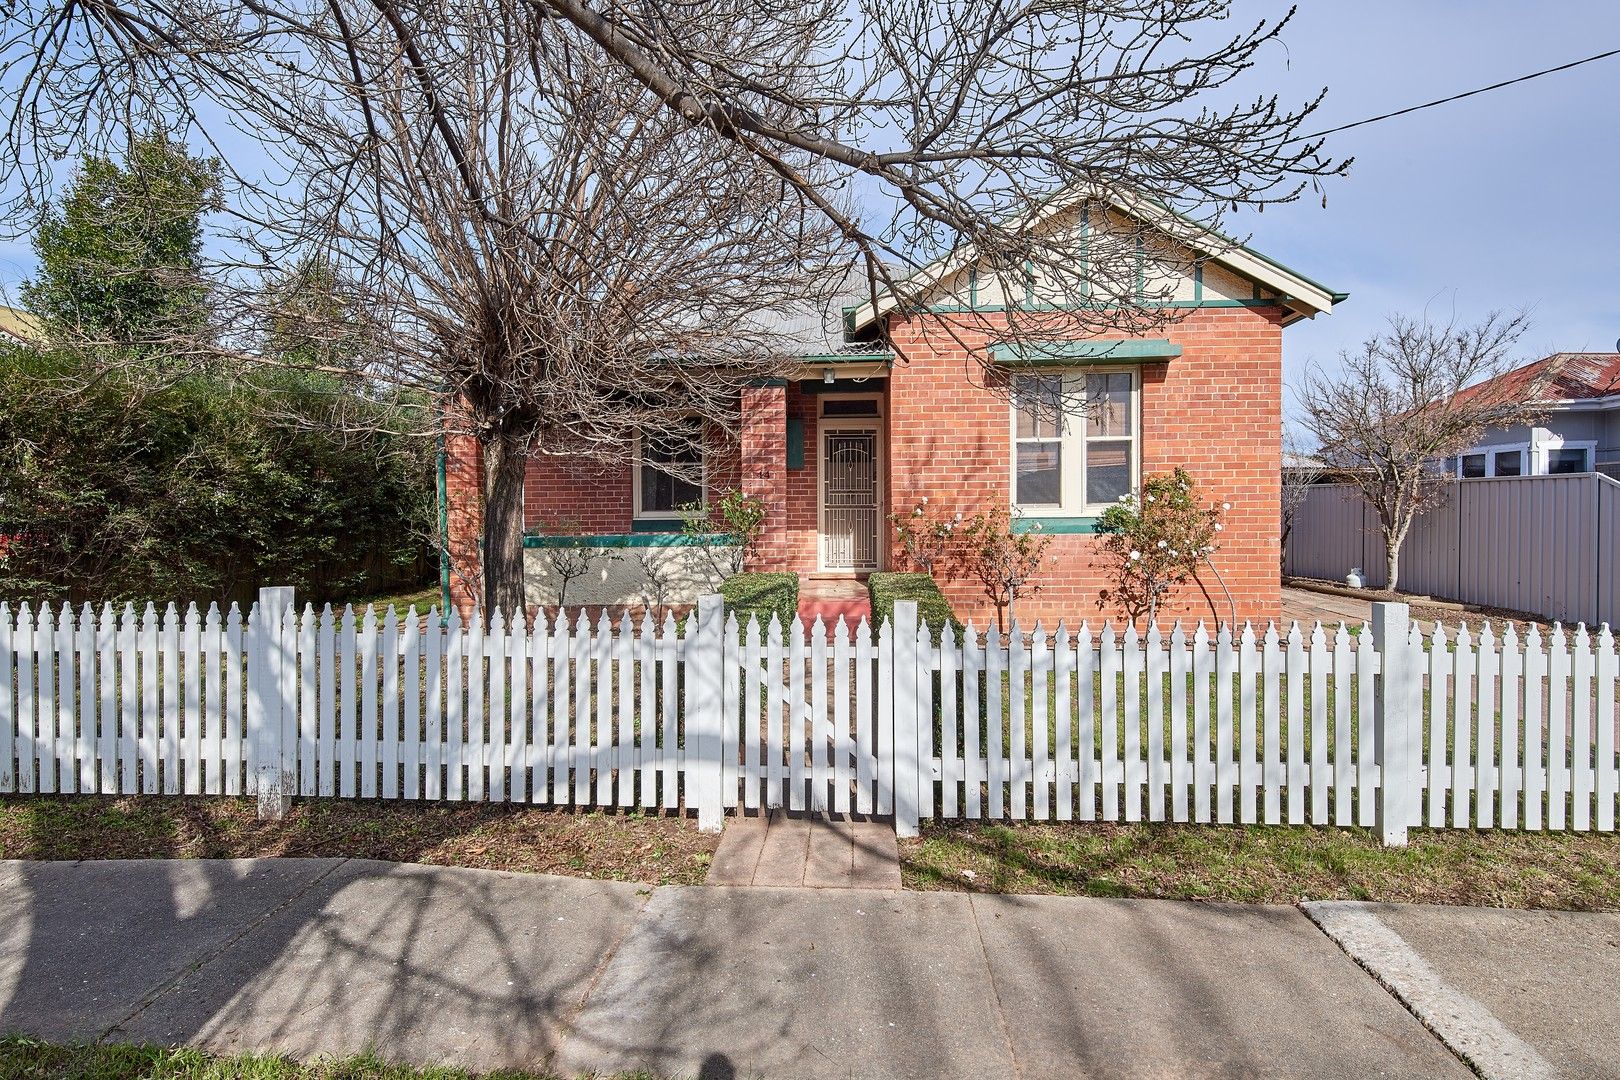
point(1331, 726)
point(1548, 545)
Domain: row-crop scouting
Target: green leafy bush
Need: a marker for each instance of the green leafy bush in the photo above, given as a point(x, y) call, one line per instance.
point(932, 607)
point(1153, 543)
point(762, 595)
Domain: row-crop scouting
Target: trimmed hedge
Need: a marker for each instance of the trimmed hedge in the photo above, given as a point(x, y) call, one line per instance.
point(762, 595)
point(932, 607)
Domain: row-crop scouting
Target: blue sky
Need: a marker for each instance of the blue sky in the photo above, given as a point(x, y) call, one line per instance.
point(1504, 200)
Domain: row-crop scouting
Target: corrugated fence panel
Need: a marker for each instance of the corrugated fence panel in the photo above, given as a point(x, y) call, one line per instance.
point(1608, 550)
point(1328, 538)
point(1540, 544)
point(1429, 562)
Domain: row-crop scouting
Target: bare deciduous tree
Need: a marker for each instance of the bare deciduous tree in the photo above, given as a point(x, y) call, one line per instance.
point(575, 218)
point(1410, 400)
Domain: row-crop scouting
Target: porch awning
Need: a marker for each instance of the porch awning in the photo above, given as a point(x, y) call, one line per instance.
point(1127, 351)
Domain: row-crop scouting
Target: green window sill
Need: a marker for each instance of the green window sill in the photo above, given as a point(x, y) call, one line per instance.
point(1056, 526)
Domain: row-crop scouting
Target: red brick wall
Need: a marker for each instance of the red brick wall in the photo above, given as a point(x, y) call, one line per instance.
point(803, 500)
point(464, 499)
point(762, 431)
point(1216, 410)
point(576, 494)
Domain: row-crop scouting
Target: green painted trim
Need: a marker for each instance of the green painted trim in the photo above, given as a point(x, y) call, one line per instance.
point(1057, 526)
point(765, 384)
point(973, 287)
point(1198, 282)
point(655, 525)
point(1085, 250)
point(794, 438)
point(1029, 285)
point(845, 358)
point(630, 540)
point(1068, 352)
point(1141, 266)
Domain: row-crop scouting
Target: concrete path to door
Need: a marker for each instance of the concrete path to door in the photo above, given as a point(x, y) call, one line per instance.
point(816, 851)
point(832, 598)
point(486, 970)
point(1308, 607)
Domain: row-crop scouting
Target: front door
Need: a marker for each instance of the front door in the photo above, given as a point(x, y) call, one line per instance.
point(850, 504)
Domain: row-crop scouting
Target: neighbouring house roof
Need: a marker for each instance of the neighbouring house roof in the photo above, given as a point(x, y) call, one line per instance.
point(1571, 377)
point(18, 325)
point(1302, 296)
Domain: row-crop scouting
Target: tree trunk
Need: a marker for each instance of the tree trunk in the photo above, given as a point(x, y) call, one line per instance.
point(504, 466)
point(1392, 564)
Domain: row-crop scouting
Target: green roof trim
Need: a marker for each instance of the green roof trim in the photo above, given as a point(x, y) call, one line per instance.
point(845, 358)
point(1085, 352)
point(630, 540)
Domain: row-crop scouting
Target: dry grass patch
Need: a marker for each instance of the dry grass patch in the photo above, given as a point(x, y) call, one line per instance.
point(1271, 864)
point(655, 850)
point(29, 1059)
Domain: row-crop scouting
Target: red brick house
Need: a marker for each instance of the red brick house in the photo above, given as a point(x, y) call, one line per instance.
point(895, 406)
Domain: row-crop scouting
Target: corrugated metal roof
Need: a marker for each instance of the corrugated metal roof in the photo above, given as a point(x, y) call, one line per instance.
point(1571, 376)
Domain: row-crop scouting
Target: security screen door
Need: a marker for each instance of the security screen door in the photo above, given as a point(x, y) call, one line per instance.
point(849, 500)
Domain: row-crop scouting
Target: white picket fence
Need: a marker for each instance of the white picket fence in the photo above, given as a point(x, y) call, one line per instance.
point(1375, 726)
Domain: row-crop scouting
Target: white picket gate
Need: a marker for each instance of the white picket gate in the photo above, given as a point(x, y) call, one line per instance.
point(1373, 726)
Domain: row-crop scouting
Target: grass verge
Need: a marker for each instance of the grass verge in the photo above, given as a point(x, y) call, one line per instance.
point(1268, 864)
point(30, 1059)
point(654, 850)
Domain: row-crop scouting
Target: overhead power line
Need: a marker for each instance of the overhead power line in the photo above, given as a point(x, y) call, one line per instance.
point(1457, 97)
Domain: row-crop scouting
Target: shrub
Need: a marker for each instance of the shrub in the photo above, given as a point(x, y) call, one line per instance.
point(927, 535)
point(1154, 542)
point(1004, 558)
point(762, 595)
point(740, 518)
point(932, 607)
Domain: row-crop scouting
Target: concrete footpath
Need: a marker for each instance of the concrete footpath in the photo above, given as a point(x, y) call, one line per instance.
point(482, 970)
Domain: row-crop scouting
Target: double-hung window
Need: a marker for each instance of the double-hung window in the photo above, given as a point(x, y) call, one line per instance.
point(1075, 441)
point(668, 472)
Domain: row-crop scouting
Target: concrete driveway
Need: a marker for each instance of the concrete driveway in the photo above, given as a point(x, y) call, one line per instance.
point(482, 970)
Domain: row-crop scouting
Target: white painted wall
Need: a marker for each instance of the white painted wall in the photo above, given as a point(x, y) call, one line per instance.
point(618, 577)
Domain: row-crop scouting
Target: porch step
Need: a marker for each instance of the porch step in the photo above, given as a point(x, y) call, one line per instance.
point(830, 597)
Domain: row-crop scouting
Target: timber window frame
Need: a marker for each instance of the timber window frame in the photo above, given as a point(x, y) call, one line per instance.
point(658, 486)
point(1075, 439)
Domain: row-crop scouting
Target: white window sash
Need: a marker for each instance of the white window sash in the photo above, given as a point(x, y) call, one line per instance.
point(638, 461)
point(1074, 441)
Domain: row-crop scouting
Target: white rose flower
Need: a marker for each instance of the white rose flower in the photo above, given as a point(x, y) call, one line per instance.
point(1163, 544)
point(1172, 553)
point(925, 500)
point(1149, 498)
point(1219, 526)
point(1135, 555)
point(1226, 506)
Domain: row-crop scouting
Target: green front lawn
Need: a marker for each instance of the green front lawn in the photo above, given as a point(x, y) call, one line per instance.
point(1268, 864)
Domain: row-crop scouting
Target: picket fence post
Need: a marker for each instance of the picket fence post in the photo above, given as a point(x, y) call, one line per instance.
point(907, 767)
point(1394, 720)
point(267, 666)
point(705, 676)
